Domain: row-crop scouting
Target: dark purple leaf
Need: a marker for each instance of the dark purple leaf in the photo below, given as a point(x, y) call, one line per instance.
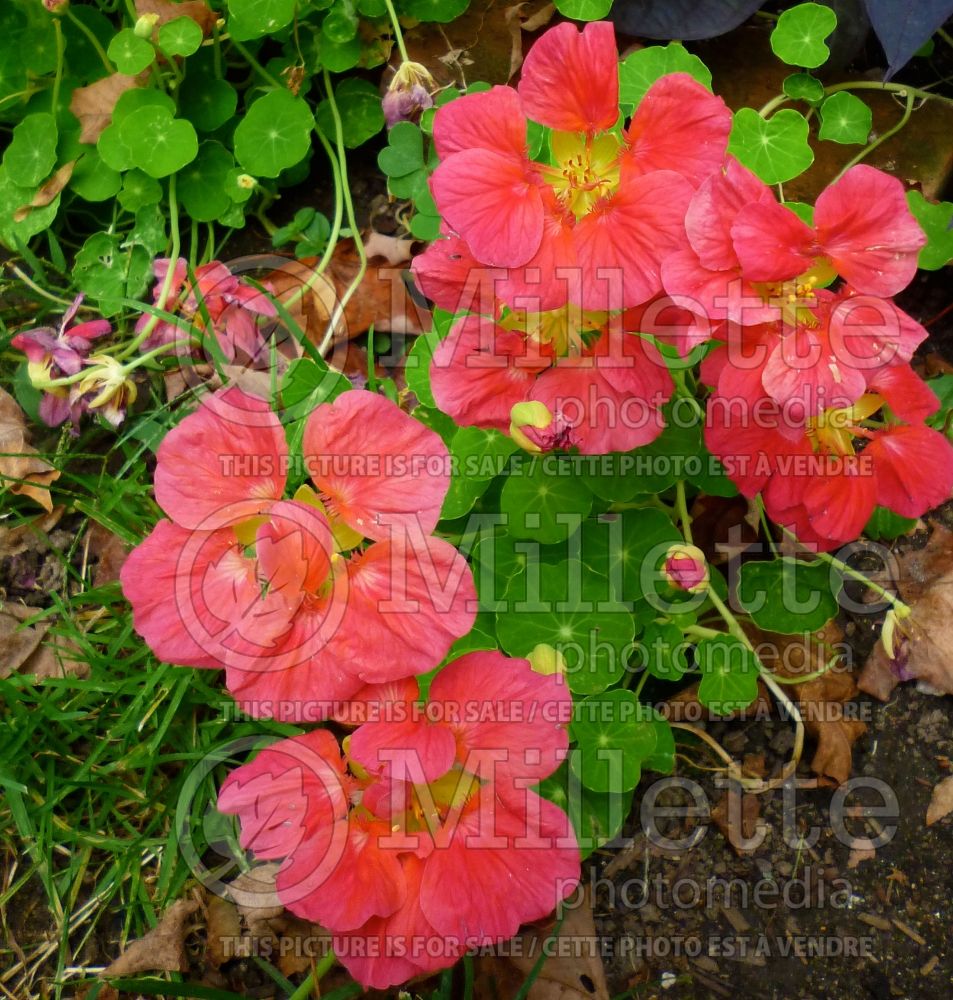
point(903, 27)
point(682, 19)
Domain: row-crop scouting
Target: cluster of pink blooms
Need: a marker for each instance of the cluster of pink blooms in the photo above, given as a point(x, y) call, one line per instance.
point(568, 273)
point(426, 840)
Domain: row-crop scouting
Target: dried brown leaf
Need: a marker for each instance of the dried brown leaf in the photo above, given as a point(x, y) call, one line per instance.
point(736, 815)
point(163, 948)
point(109, 551)
point(28, 650)
point(924, 642)
point(20, 537)
point(47, 191)
point(573, 972)
point(93, 105)
point(21, 469)
point(941, 802)
point(223, 927)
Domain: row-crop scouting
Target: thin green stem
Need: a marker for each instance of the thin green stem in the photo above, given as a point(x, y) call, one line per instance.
point(341, 304)
point(946, 36)
point(306, 989)
point(58, 79)
point(30, 283)
point(890, 88)
point(256, 65)
point(93, 40)
point(681, 508)
point(867, 150)
point(398, 34)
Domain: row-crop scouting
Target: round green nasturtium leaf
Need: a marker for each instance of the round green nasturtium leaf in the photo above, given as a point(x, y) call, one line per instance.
point(776, 149)
point(239, 186)
point(150, 230)
point(335, 56)
point(480, 454)
point(439, 11)
point(133, 101)
point(462, 494)
point(359, 105)
point(139, 190)
point(845, 118)
point(13, 81)
point(83, 61)
point(596, 817)
point(425, 227)
point(942, 386)
point(614, 733)
point(38, 45)
point(567, 607)
point(729, 672)
point(372, 8)
point(787, 595)
point(542, 500)
point(404, 152)
point(159, 144)
point(340, 24)
point(31, 155)
point(12, 226)
point(130, 53)
point(935, 220)
point(802, 210)
point(663, 646)
point(106, 272)
point(803, 87)
point(202, 185)
point(584, 10)
point(274, 134)
point(254, 18)
point(640, 70)
point(798, 37)
point(92, 180)
point(206, 101)
point(180, 37)
point(885, 524)
point(417, 367)
point(113, 151)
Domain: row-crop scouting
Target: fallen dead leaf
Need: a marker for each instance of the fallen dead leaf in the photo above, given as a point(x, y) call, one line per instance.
point(21, 469)
point(223, 927)
point(382, 300)
point(575, 973)
point(109, 551)
point(47, 191)
point(736, 815)
point(162, 949)
point(923, 643)
point(93, 105)
point(200, 12)
point(20, 537)
point(860, 854)
point(27, 649)
point(941, 803)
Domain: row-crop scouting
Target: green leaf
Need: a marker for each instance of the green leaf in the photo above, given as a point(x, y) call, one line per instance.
point(107, 273)
point(584, 10)
point(404, 152)
point(845, 118)
point(597, 817)
point(149, 231)
point(254, 18)
point(480, 454)
point(359, 104)
point(238, 187)
point(787, 595)
point(886, 524)
point(935, 220)
point(139, 190)
point(274, 134)
point(803, 87)
point(92, 179)
point(425, 227)
point(942, 385)
point(567, 608)
point(14, 197)
point(798, 37)
point(542, 500)
point(337, 57)
point(775, 149)
point(159, 144)
point(439, 11)
point(31, 155)
point(308, 383)
point(207, 101)
point(462, 494)
point(130, 53)
point(417, 368)
point(202, 185)
point(729, 674)
point(615, 733)
point(181, 36)
point(640, 70)
point(664, 648)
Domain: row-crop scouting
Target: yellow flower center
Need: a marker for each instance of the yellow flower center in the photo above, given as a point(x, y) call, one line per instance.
point(833, 430)
point(587, 169)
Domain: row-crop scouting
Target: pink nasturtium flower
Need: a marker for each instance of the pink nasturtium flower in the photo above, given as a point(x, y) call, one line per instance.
point(283, 593)
point(216, 300)
point(426, 839)
point(593, 226)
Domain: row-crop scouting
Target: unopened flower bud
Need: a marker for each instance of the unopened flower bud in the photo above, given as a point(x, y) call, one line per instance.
point(685, 568)
point(545, 659)
point(409, 94)
point(56, 6)
point(530, 414)
point(146, 25)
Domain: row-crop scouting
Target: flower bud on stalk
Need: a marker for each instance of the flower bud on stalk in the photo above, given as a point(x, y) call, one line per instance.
point(146, 25)
point(409, 94)
point(56, 6)
point(685, 568)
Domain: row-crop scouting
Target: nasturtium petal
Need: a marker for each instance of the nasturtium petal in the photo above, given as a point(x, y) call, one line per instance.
point(788, 595)
point(936, 220)
point(798, 37)
point(274, 134)
point(31, 155)
point(130, 53)
point(845, 118)
point(642, 68)
point(729, 672)
point(615, 733)
point(776, 149)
